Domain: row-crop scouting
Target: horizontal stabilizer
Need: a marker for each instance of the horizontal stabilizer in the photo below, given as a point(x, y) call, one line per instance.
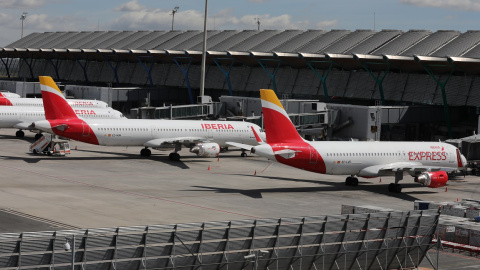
point(61, 127)
point(240, 145)
point(286, 153)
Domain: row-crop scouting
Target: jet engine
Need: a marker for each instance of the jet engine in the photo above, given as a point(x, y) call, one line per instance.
point(432, 179)
point(206, 149)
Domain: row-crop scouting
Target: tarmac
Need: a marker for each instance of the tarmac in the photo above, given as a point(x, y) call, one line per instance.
point(99, 186)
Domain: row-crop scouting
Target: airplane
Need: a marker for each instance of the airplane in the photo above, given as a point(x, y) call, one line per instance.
point(427, 162)
point(205, 138)
point(12, 100)
point(21, 117)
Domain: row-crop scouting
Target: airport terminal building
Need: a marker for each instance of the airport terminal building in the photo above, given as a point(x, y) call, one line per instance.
point(436, 70)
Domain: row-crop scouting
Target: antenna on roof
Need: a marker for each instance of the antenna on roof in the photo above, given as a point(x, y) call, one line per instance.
point(257, 21)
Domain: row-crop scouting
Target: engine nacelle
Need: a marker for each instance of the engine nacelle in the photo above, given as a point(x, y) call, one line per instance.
point(206, 149)
point(432, 179)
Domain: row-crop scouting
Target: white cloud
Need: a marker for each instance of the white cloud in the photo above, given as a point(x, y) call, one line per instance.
point(21, 4)
point(130, 6)
point(148, 19)
point(445, 4)
point(327, 24)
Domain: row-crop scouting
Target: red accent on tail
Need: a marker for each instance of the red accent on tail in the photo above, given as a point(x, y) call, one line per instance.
point(279, 129)
point(459, 159)
point(54, 103)
point(5, 101)
point(56, 107)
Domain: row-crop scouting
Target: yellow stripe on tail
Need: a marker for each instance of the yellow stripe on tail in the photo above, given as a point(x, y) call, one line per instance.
point(270, 96)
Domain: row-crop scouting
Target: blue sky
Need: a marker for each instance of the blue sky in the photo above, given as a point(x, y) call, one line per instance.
point(90, 15)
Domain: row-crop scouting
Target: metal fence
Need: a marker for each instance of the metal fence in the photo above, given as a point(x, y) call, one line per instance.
point(385, 240)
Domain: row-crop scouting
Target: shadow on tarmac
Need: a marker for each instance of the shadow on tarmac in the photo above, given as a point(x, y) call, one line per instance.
point(329, 187)
point(32, 158)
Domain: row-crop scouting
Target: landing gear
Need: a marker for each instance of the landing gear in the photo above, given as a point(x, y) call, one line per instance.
point(38, 136)
point(243, 154)
point(20, 134)
point(174, 156)
point(396, 188)
point(145, 152)
point(351, 181)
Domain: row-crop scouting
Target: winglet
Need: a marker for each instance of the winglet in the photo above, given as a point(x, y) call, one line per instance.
point(278, 127)
point(54, 103)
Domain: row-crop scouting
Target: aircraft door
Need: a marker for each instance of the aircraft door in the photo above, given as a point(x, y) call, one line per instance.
point(86, 129)
point(313, 155)
point(209, 134)
point(154, 131)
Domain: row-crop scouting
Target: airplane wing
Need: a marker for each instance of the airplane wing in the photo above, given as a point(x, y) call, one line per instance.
point(23, 125)
point(412, 168)
point(171, 141)
point(240, 145)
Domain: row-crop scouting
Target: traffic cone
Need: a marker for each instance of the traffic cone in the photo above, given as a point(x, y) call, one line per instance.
point(380, 179)
point(255, 172)
point(457, 199)
point(75, 147)
point(208, 168)
point(218, 158)
point(446, 189)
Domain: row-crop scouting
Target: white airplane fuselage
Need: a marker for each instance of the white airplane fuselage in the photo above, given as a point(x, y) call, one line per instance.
point(352, 158)
point(22, 116)
point(137, 132)
point(37, 102)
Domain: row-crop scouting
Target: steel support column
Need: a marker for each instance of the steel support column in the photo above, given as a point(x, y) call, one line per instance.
point(185, 73)
point(113, 67)
point(271, 75)
point(322, 77)
point(84, 67)
point(29, 66)
point(444, 95)
point(147, 69)
point(378, 81)
point(226, 73)
point(5, 63)
point(55, 66)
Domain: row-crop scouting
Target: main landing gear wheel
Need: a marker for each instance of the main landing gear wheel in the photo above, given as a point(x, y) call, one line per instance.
point(351, 181)
point(174, 156)
point(145, 152)
point(243, 154)
point(20, 134)
point(395, 188)
point(38, 136)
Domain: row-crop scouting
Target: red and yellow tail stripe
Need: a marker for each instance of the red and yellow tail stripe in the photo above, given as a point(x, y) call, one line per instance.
point(54, 103)
point(278, 127)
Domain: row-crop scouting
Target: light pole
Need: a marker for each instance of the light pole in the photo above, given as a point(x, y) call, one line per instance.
point(22, 18)
point(257, 21)
point(174, 10)
point(204, 52)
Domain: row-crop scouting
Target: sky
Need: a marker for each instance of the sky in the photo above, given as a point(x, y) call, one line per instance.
point(104, 15)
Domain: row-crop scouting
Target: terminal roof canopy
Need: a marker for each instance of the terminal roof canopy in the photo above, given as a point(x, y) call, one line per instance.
point(410, 51)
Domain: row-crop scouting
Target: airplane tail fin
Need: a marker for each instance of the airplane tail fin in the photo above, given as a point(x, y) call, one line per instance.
point(278, 126)
point(54, 103)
